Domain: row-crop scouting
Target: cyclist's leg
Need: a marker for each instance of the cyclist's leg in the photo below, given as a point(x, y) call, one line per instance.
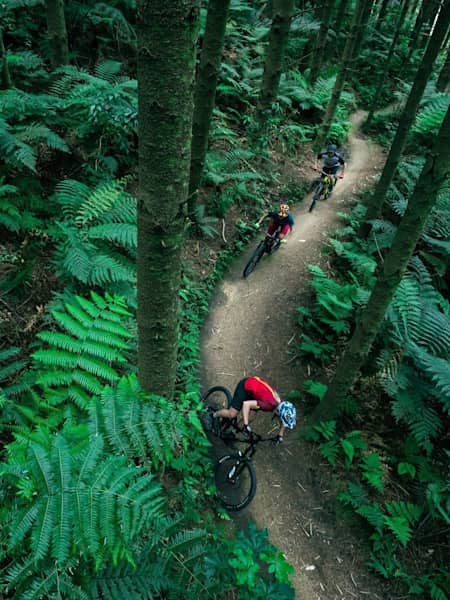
point(239, 396)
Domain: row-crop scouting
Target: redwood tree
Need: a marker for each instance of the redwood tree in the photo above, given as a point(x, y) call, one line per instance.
point(57, 32)
point(407, 118)
point(167, 33)
point(444, 76)
point(321, 40)
point(392, 269)
point(278, 37)
point(342, 75)
point(376, 97)
point(205, 91)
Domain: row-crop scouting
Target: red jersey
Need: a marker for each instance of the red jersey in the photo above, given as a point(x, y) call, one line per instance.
point(262, 392)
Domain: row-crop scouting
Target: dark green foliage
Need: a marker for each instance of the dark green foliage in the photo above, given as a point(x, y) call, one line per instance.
point(97, 237)
point(84, 353)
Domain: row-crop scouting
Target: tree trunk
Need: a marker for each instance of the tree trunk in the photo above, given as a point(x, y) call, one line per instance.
point(376, 97)
point(278, 37)
point(205, 91)
point(444, 76)
point(57, 32)
point(414, 40)
point(167, 33)
point(6, 82)
point(413, 8)
point(341, 77)
point(381, 14)
point(430, 10)
point(341, 13)
point(407, 119)
point(362, 30)
point(396, 261)
point(321, 41)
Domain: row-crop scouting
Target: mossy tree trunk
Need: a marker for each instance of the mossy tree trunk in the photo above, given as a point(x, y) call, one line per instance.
point(341, 77)
point(340, 17)
point(57, 32)
point(420, 19)
point(392, 269)
point(407, 119)
point(444, 76)
point(6, 82)
point(167, 34)
point(365, 18)
point(205, 91)
point(376, 97)
point(381, 14)
point(278, 38)
point(321, 40)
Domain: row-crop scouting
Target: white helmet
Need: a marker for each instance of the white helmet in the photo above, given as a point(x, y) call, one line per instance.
point(287, 413)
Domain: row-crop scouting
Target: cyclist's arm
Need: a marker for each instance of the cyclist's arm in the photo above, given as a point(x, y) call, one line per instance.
point(246, 408)
point(263, 218)
point(342, 163)
point(281, 430)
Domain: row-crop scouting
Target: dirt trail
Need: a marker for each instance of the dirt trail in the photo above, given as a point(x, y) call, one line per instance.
point(250, 331)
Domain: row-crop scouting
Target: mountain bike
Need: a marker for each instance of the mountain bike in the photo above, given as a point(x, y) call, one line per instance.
point(234, 474)
point(268, 245)
point(323, 187)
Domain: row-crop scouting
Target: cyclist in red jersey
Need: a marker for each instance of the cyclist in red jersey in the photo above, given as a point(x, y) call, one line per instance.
point(253, 393)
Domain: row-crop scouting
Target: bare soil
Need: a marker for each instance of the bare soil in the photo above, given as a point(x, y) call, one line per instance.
point(251, 330)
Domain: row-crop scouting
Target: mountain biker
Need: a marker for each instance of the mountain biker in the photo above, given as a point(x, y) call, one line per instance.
point(279, 219)
point(253, 393)
point(332, 162)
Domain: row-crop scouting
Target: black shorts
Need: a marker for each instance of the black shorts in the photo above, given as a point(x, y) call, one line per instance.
point(240, 394)
point(331, 170)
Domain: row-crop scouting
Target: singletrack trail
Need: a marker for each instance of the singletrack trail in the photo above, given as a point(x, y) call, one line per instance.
point(250, 331)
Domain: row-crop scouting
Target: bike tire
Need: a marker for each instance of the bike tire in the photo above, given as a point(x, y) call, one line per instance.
point(235, 480)
point(316, 196)
point(215, 398)
point(254, 260)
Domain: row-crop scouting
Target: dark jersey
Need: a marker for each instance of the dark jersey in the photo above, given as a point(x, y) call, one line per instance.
point(331, 159)
point(281, 221)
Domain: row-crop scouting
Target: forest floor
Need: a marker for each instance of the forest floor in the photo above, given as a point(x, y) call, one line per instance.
point(251, 330)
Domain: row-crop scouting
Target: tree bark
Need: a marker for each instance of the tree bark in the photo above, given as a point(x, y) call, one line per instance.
point(57, 32)
point(444, 76)
point(341, 13)
point(341, 77)
point(205, 92)
point(167, 33)
point(6, 82)
point(278, 37)
point(321, 41)
point(396, 261)
point(362, 30)
point(414, 40)
point(381, 14)
point(407, 119)
point(376, 97)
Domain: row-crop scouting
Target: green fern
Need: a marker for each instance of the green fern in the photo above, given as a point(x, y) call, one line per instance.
point(372, 471)
point(75, 363)
point(98, 238)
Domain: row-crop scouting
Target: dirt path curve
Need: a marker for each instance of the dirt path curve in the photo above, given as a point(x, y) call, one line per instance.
point(250, 331)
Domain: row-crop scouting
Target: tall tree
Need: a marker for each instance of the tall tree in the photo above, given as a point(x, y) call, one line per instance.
point(167, 33)
point(381, 14)
point(6, 82)
point(386, 64)
point(365, 19)
point(392, 269)
point(407, 118)
point(443, 80)
point(57, 32)
point(205, 91)
point(321, 40)
point(278, 38)
point(342, 75)
point(340, 16)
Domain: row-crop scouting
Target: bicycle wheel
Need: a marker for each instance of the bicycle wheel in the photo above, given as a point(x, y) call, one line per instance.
point(255, 258)
point(235, 480)
point(316, 196)
point(215, 398)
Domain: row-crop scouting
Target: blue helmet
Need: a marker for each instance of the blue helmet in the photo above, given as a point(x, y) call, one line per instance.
point(332, 148)
point(287, 413)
